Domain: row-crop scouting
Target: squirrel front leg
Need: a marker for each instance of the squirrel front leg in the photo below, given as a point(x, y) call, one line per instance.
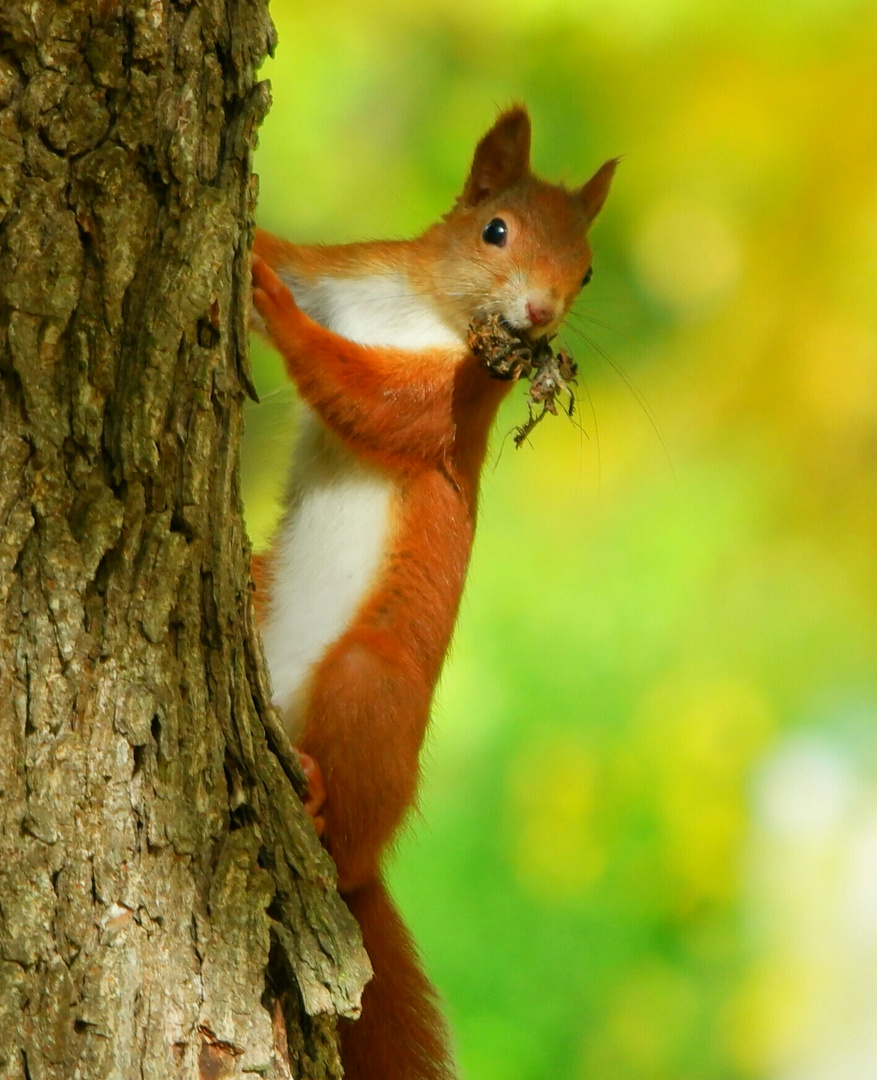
point(391, 405)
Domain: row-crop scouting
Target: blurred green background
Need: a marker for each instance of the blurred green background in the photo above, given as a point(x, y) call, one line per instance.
point(649, 836)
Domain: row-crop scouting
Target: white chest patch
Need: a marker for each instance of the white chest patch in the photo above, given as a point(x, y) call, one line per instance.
point(327, 555)
point(331, 543)
point(373, 311)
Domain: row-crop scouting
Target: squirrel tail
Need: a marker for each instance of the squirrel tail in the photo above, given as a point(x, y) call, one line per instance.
point(401, 1034)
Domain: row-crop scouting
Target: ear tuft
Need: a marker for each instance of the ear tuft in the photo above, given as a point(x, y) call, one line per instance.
point(502, 158)
point(593, 193)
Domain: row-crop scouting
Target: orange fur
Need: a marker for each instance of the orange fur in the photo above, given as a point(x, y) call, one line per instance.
point(422, 418)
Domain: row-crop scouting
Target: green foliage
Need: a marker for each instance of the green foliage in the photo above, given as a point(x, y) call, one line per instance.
point(655, 730)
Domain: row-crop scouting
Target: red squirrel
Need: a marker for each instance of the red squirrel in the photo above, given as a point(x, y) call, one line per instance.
point(364, 577)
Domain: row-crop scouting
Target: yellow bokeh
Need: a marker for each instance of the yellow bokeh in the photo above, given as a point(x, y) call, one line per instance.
point(766, 1018)
point(702, 739)
point(553, 793)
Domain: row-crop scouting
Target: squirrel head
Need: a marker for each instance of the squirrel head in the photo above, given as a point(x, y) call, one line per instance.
point(514, 245)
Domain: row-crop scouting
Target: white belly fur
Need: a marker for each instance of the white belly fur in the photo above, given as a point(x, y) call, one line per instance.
point(326, 555)
point(331, 542)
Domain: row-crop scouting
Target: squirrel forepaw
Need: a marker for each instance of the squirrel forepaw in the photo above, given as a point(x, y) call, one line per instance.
point(271, 297)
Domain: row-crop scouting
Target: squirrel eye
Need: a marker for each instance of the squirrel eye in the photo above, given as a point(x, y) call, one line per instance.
point(588, 276)
point(495, 232)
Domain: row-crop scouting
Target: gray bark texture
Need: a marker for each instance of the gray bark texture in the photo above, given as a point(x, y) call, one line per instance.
point(165, 908)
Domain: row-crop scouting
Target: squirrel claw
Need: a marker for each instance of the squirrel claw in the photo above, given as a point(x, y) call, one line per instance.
point(316, 793)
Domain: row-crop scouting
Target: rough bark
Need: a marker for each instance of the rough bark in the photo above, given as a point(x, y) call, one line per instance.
point(165, 909)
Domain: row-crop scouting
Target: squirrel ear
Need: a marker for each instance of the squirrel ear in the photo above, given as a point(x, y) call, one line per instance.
point(501, 158)
point(593, 194)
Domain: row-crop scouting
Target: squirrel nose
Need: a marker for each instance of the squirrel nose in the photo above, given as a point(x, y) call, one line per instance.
point(539, 312)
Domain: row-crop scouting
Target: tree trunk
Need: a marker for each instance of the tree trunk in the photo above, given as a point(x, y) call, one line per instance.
point(165, 909)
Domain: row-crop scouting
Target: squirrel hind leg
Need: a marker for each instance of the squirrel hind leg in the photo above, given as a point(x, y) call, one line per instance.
point(315, 798)
point(401, 1034)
